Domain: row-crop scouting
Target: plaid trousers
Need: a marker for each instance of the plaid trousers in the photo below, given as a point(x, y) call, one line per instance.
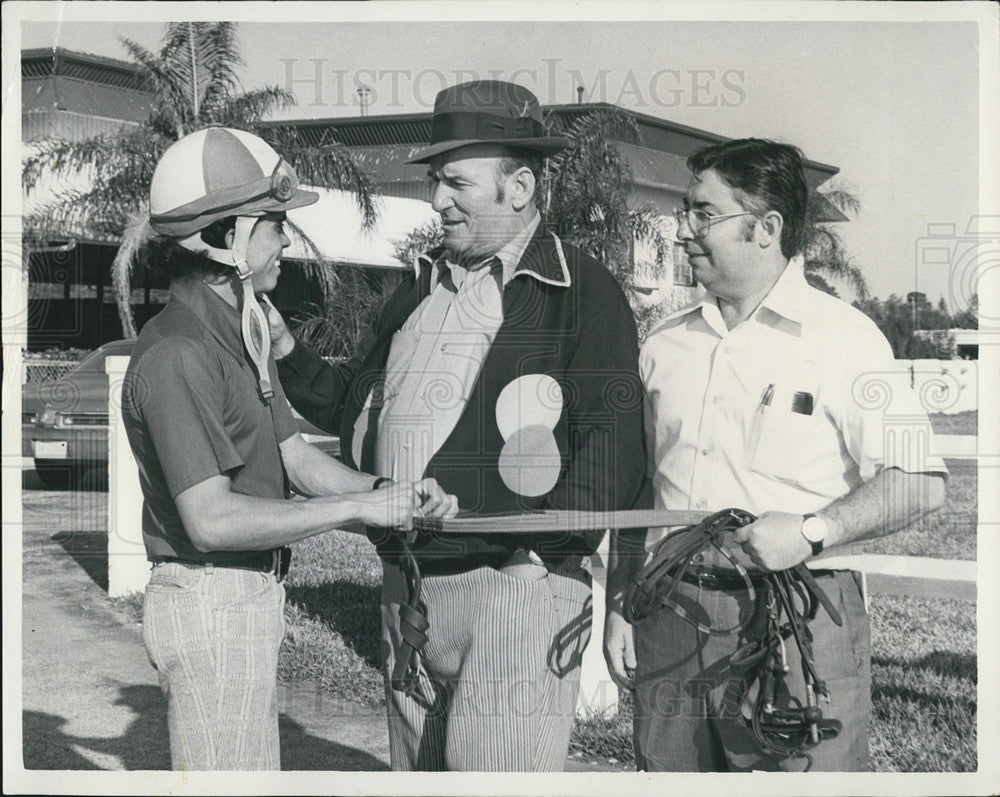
point(213, 635)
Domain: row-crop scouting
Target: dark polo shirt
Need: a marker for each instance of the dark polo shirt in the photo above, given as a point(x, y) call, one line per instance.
point(192, 410)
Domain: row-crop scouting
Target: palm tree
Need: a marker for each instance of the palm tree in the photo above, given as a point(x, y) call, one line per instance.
point(586, 190)
point(825, 254)
point(194, 84)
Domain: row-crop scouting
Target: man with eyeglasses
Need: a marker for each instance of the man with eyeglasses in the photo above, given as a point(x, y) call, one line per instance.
point(776, 398)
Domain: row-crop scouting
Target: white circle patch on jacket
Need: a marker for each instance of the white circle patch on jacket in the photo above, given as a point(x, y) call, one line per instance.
point(527, 411)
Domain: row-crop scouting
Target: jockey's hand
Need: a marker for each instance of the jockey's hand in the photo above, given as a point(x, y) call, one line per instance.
point(282, 341)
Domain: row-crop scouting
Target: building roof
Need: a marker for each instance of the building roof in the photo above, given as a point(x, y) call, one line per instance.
point(385, 142)
point(415, 128)
point(55, 79)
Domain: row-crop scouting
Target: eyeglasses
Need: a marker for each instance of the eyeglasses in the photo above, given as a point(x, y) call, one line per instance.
point(698, 221)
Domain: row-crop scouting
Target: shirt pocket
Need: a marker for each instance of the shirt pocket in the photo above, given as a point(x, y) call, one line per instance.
point(783, 441)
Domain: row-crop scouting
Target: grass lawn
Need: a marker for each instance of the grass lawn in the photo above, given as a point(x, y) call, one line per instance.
point(332, 614)
point(923, 668)
point(960, 423)
point(923, 691)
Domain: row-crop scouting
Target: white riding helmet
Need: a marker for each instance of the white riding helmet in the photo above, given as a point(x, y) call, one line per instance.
point(220, 172)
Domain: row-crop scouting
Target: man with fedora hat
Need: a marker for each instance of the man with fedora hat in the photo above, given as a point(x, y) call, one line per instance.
point(505, 365)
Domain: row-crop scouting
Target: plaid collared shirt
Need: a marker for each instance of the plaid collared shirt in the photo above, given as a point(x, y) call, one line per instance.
point(436, 356)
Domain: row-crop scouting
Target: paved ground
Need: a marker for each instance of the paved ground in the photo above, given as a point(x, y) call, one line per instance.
point(90, 697)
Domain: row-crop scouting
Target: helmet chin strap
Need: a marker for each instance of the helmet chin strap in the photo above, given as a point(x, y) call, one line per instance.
point(256, 337)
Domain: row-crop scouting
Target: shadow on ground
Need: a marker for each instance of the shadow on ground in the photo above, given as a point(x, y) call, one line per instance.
point(940, 662)
point(89, 549)
point(301, 751)
point(145, 744)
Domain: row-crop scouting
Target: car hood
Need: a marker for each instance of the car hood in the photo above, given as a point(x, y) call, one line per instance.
point(82, 393)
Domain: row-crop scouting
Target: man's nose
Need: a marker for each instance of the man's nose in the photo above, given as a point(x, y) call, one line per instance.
point(440, 198)
point(683, 230)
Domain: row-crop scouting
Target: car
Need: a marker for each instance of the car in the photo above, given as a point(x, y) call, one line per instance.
point(64, 423)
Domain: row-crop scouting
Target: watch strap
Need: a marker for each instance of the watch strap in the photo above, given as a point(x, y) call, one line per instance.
point(817, 547)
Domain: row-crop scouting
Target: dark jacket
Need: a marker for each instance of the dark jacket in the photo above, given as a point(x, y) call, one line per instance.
point(565, 316)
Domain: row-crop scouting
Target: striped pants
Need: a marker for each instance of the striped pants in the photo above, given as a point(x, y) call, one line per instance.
point(500, 673)
point(213, 636)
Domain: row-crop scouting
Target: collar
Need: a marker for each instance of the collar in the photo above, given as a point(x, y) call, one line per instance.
point(220, 318)
point(788, 298)
point(535, 251)
point(510, 253)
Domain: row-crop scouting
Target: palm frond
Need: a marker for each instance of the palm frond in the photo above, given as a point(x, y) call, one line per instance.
point(842, 196)
point(168, 93)
point(194, 82)
point(587, 189)
point(825, 251)
point(246, 110)
point(137, 233)
point(327, 165)
point(320, 267)
point(646, 222)
point(420, 239)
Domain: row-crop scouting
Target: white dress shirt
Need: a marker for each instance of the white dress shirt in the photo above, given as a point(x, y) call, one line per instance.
point(793, 408)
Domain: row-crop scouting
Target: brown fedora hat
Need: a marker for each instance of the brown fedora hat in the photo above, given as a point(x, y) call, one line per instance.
point(488, 112)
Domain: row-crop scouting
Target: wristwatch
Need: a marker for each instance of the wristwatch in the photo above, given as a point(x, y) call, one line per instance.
point(814, 530)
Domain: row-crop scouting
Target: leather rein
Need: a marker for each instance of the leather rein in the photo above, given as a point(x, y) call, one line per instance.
point(783, 602)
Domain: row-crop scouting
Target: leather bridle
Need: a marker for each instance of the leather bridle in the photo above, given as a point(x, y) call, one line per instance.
point(792, 594)
point(413, 625)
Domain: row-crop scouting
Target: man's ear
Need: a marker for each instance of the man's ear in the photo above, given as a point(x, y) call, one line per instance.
point(771, 226)
point(230, 237)
point(522, 188)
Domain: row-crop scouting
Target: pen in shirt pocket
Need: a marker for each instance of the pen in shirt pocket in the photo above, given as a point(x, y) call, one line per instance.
point(765, 400)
